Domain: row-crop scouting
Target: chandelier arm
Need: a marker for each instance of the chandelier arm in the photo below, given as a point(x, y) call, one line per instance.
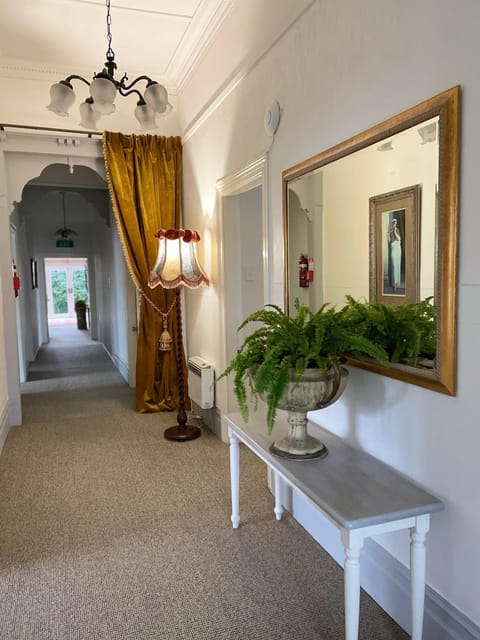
point(129, 86)
point(75, 77)
point(124, 93)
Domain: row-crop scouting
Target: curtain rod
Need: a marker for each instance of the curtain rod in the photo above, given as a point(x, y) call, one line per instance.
point(89, 134)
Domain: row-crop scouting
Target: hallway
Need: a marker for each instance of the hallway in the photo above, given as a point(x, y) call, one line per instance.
point(111, 532)
point(71, 360)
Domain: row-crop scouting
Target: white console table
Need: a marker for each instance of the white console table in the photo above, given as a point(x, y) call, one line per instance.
point(359, 494)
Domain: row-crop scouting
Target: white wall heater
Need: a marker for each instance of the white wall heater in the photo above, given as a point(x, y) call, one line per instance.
point(201, 377)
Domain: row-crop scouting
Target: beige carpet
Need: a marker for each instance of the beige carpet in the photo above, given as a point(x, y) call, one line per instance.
point(109, 531)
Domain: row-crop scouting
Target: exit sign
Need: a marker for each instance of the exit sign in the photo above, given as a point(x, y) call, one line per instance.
point(64, 244)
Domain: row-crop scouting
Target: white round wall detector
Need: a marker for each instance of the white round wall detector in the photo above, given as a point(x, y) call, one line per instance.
point(271, 118)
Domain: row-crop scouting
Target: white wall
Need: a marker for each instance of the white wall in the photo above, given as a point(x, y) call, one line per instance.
point(110, 296)
point(4, 424)
point(343, 67)
point(8, 337)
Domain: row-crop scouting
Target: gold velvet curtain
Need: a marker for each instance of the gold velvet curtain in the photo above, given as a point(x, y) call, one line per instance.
point(145, 180)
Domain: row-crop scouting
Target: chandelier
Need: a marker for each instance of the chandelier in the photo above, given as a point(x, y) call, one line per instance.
point(103, 91)
point(64, 233)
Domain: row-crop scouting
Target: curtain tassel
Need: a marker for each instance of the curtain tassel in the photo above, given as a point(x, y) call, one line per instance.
point(165, 342)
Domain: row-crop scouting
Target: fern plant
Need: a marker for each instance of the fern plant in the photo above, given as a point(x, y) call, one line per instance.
point(284, 343)
point(407, 332)
point(388, 334)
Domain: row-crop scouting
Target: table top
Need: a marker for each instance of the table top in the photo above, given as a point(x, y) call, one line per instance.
point(350, 486)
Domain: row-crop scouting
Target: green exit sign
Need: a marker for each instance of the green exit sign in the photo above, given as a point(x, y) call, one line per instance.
point(64, 244)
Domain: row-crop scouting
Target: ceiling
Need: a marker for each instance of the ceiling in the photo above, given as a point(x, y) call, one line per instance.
point(159, 38)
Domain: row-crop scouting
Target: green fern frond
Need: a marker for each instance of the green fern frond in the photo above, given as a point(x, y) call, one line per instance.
point(306, 339)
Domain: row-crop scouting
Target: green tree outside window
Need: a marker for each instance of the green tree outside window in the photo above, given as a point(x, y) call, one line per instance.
point(59, 291)
point(80, 287)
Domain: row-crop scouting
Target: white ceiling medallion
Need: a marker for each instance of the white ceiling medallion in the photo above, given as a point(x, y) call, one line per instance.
point(271, 118)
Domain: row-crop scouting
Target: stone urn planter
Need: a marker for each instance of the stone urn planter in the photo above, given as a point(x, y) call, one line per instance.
point(314, 389)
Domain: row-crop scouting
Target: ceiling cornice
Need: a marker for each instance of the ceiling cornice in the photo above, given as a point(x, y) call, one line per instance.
point(29, 70)
point(201, 30)
point(23, 69)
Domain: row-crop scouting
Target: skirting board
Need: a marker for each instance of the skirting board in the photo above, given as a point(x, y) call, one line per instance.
point(386, 579)
point(211, 419)
point(442, 620)
point(119, 364)
point(4, 426)
point(122, 367)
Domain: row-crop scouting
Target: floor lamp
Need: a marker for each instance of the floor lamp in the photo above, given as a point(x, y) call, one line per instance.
point(177, 265)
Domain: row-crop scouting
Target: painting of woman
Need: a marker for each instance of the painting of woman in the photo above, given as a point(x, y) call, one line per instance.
point(394, 263)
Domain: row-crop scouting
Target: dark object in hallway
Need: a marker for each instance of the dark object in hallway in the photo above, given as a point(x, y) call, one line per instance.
point(81, 311)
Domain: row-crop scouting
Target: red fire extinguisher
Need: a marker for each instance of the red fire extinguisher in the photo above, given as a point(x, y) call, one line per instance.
point(303, 271)
point(16, 280)
point(311, 270)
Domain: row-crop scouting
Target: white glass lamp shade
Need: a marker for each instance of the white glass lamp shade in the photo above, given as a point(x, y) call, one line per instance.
point(62, 97)
point(166, 109)
point(177, 262)
point(103, 92)
point(145, 116)
point(156, 96)
point(89, 117)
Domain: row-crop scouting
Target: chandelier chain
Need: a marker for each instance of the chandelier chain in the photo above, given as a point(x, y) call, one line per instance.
point(110, 53)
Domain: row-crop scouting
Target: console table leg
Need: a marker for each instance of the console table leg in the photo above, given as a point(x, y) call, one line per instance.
point(277, 487)
point(234, 477)
point(353, 543)
point(418, 536)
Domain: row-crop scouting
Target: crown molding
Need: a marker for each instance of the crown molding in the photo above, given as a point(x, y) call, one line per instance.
point(29, 70)
point(197, 39)
point(236, 77)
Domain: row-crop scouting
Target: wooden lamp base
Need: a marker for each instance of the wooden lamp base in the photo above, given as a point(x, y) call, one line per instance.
point(181, 433)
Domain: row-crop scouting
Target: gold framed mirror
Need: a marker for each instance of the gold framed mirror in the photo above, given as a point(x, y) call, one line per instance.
point(397, 180)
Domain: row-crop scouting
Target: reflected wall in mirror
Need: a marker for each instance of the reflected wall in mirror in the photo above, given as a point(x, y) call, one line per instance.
point(375, 217)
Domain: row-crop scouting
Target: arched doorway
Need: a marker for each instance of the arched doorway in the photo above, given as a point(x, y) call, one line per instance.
point(34, 181)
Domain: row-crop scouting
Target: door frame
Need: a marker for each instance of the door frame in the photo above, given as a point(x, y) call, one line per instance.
point(249, 177)
point(68, 264)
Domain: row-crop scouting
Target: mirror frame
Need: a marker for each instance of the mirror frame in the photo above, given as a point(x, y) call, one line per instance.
point(446, 106)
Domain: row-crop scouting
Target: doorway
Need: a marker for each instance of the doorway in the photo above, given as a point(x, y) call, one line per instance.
point(37, 171)
point(244, 259)
point(244, 263)
point(66, 281)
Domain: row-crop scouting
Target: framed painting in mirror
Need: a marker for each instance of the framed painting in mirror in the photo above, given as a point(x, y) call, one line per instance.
point(394, 246)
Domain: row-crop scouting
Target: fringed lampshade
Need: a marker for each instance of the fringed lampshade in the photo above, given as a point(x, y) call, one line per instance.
point(177, 260)
point(177, 265)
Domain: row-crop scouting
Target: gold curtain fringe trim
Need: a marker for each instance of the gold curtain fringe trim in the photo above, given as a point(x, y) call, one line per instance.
point(116, 215)
point(165, 342)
